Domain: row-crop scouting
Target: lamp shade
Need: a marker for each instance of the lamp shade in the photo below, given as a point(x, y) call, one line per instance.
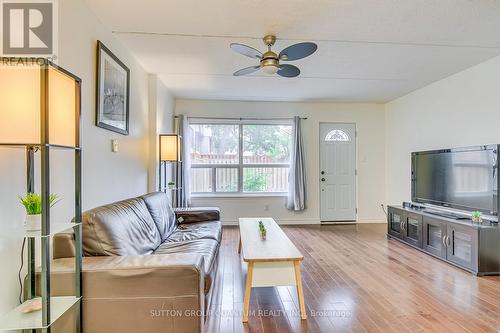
point(39, 104)
point(169, 147)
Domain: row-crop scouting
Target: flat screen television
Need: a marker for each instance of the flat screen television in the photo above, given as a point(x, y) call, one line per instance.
point(460, 178)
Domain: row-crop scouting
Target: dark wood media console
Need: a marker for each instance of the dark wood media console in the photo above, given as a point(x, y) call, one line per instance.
point(474, 247)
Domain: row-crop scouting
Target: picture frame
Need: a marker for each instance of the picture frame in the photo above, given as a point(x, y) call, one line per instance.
point(112, 91)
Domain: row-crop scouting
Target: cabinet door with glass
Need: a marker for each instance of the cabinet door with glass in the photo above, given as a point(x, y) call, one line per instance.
point(412, 229)
point(434, 240)
point(462, 242)
point(395, 222)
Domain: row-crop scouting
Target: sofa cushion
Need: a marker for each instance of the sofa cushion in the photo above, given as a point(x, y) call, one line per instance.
point(208, 248)
point(200, 230)
point(160, 209)
point(121, 228)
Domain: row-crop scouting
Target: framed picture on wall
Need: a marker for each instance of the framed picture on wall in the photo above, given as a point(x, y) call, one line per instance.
point(112, 93)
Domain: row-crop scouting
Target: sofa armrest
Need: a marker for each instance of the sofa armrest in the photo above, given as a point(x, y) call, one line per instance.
point(63, 245)
point(136, 293)
point(197, 214)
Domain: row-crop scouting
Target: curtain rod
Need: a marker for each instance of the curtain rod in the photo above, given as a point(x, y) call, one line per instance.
point(242, 118)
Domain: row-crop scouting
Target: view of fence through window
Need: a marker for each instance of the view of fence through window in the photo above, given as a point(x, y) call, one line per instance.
point(220, 156)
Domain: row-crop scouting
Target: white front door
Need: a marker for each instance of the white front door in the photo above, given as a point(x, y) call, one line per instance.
point(337, 172)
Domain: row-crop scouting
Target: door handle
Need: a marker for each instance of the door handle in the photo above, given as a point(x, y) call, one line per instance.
point(323, 179)
point(444, 240)
point(322, 172)
point(448, 240)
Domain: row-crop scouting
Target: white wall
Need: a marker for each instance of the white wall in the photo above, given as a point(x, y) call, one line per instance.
point(461, 110)
point(370, 122)
point(161, 116)
point(107, 176)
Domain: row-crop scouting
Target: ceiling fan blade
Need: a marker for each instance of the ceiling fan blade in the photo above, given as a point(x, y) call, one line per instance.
point(246, 50)
point(288, 70)
point(298, 51)
point(246, 71)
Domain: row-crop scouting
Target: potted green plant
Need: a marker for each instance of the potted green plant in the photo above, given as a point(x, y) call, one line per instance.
point(262, 230)
point(477, 216)
point(32, 202)
point(171, 185)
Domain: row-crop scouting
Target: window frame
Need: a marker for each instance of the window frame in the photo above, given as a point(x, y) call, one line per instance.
point(240, 166)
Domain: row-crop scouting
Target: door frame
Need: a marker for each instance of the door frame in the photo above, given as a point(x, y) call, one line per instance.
point(319, 140)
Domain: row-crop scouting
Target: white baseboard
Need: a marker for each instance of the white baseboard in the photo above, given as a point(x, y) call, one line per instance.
point(279, 221)
point(306, 221)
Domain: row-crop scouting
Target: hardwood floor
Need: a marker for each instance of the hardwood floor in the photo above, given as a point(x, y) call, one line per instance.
point(356, 280)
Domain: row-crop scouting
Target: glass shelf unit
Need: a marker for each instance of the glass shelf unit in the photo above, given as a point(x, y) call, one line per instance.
point(41, 113)
point(24, 145)
point(16, 320)
point(55, 228)
point(163, 189)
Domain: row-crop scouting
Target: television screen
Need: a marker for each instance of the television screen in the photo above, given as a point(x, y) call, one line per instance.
point(458, 178)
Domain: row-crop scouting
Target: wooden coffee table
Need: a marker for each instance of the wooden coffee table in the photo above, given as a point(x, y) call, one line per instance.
point(272, 262)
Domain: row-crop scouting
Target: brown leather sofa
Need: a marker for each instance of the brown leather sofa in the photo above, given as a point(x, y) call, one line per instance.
point(146, 267)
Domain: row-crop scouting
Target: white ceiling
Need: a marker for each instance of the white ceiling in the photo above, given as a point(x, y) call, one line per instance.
point(368, 50)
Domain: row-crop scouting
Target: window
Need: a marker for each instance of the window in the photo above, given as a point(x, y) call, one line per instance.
point(337, 135)
point(240, 157)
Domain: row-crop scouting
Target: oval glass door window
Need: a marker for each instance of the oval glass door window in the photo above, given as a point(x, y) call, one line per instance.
point(337, 135)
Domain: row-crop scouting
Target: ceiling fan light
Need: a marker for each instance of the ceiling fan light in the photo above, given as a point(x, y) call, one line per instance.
point(270, 69)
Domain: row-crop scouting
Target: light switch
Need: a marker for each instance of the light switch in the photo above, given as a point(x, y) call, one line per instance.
point(114, 146)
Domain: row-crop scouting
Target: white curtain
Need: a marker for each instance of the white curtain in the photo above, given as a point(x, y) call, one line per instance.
point(184, 177)
point(296, 199)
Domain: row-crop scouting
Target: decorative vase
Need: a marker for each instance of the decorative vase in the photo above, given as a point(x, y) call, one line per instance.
point(477, 219)
point(33, 222)
point(171, 186)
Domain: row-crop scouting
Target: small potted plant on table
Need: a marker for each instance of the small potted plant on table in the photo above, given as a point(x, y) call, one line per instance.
point(32, 202)
point(477, 217)
point(171, 185)
point(262, 230)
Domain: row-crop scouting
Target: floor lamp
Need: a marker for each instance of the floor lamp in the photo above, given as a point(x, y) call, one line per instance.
point(40, 113)
point(169, 153)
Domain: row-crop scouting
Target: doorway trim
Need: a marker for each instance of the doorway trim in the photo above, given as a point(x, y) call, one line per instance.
point(355, 221)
